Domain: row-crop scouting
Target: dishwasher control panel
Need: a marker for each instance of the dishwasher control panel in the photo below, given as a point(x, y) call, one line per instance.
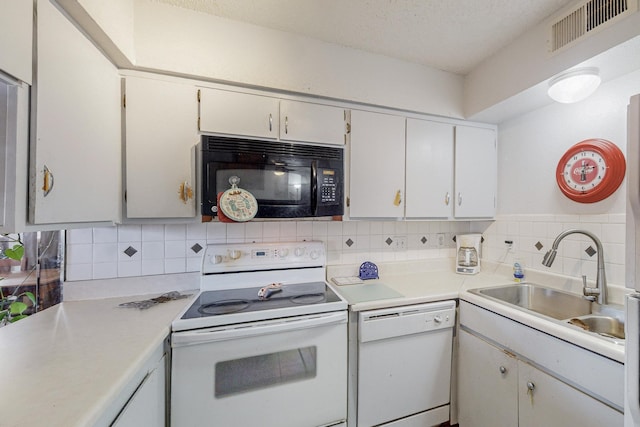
point(406, 320)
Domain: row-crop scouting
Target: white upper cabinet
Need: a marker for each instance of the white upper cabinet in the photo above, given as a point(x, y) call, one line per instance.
point(476, 172)
point(75, 173)
point(304, 121)
point(236, 113)
point(161, 133)
point(376, 181)
point(16, 39)
point(429, 174)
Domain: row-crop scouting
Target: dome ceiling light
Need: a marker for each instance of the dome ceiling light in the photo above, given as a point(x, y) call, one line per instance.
point(574, 85)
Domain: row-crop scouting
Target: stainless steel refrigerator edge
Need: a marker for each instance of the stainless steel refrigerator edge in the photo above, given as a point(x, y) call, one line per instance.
point(632, 267)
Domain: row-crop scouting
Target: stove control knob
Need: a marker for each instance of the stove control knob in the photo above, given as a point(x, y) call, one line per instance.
point(216, 259)
point(314, 254)
point(299, 251)
point(283, 252)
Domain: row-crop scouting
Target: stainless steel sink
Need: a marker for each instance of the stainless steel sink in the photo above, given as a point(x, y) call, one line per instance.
point(603, 325)
point(549, 302)
point(563, 307)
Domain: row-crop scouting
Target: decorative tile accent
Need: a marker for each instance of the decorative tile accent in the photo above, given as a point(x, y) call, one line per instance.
point(590, 251)
point(423, 240)
point(130, 251)
point(389, 241)
point(349, 242)
point(539, 246)
point(196, 248)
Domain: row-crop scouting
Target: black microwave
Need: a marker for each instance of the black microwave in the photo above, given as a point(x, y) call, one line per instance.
point(288, 180)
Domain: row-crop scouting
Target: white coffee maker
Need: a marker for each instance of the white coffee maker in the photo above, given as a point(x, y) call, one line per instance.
point(468, 253)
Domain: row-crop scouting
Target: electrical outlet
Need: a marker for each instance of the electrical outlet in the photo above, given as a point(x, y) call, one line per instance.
point(510, 245)
point(440, 239)
point(399, 243)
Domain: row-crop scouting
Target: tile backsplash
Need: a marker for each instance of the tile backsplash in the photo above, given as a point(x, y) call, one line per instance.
point(533, 235)
point(141, 250)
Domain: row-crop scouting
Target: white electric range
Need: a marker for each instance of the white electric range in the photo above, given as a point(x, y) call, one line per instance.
point(264, 343)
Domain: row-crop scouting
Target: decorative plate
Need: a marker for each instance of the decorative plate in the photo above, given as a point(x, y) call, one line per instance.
point(238, 204)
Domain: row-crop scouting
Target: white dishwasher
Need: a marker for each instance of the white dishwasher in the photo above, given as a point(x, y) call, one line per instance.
point(404, 365)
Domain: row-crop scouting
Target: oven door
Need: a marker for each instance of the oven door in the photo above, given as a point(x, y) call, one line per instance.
point(274, 373)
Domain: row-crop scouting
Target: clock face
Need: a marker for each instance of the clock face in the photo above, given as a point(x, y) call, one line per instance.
point(585, 171)
point(591, 170)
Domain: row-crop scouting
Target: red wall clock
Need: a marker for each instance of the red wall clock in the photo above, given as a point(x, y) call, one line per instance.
point(591, 170)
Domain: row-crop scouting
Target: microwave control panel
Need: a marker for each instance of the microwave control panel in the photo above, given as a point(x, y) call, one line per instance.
point(327, 187)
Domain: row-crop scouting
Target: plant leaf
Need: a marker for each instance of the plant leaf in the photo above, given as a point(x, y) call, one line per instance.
point(16, 253)
point(17, 307)
point(31, 297)
point(16, 318)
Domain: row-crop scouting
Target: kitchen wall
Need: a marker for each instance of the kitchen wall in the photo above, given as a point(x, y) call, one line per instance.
point(531, 208)
point(140, 250)
point(531, 211)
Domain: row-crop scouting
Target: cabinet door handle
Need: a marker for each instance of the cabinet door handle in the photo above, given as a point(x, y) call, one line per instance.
point(270, 122)
point(503, 370)
point(47, 182)
point(286, 125)
point(447, 199)
point(185, 192)
point(530, 387)
point(398, 199)
point(459, 199)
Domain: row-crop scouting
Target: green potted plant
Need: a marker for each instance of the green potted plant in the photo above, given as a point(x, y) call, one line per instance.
point(12, 307)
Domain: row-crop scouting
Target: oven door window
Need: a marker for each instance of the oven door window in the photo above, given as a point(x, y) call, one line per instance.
point(275, 185)
point(257, 372)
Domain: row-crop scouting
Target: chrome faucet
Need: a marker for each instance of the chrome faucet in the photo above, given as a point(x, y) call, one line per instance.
point(600, 291)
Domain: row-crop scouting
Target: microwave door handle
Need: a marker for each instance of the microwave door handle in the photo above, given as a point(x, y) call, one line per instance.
point(314, 187)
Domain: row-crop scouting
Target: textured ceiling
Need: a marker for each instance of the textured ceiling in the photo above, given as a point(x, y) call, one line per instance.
point(451, 35)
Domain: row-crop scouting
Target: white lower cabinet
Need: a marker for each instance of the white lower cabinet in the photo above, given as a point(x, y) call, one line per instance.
point(487, 384)
point(161, 133)
point(147, 405)
point(497, 389)
point(534, 380)
point(546, 401)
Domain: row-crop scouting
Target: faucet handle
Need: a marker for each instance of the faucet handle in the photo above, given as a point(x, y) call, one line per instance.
point(589, 293)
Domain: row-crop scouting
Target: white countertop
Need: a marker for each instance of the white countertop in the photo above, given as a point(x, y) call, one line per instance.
point(66, 365)
point(413, 282)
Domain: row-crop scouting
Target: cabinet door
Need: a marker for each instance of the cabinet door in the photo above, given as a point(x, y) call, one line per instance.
point(476, 172)
point(236, 113)
point(376, 183)
point(429, 182)
point(487, 384)
point(160, 136)
point(16, 39)
point(76, 145)
point(147, 406)
point(546, 401)
point(303, 121)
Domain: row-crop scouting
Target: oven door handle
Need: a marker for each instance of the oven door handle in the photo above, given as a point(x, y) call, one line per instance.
point(201, 336)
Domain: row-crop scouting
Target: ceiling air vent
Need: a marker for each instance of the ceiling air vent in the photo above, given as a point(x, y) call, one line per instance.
point(586, 17)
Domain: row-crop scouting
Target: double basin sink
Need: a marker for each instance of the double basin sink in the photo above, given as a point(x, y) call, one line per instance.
point(570, 309)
